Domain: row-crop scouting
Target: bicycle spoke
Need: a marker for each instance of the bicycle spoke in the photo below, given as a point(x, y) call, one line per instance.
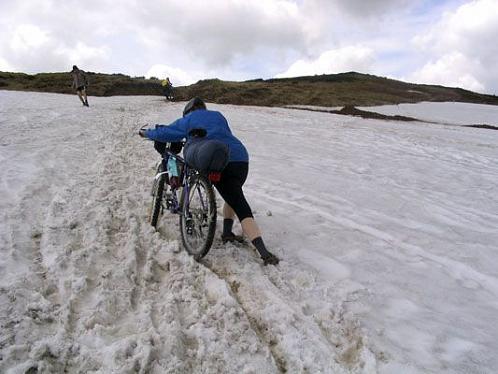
point(198, 221)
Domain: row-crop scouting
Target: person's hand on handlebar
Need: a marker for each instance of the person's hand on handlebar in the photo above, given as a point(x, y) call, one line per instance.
point(141, 132)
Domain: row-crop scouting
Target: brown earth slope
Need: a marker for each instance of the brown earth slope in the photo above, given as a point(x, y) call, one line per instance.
point(99, 84)
point(327, 90)
point(319, 90)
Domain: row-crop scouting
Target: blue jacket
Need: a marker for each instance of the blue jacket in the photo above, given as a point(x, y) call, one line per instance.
point(213, 122)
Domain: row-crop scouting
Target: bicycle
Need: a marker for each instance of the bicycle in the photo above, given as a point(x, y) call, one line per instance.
point(192, 197)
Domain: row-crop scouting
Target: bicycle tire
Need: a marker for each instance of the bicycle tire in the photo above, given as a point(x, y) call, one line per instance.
point(157, 197)
point(198, 224)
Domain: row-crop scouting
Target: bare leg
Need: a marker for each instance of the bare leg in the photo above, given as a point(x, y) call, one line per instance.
point(250, 228)
point(84, 96)
point(80, 95)
point(228, 212)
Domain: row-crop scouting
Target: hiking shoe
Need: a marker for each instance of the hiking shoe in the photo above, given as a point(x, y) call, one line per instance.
point(270, 259)
point(230, 238)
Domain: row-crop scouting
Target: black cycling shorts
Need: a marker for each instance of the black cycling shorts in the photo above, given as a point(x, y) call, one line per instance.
point(174, 147)
point(80, 88)
point(230, 188)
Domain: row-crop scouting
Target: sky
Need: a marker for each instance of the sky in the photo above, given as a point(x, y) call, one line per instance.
point(447, 42)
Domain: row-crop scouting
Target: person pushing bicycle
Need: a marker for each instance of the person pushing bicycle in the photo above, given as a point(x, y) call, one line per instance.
point(197, 117)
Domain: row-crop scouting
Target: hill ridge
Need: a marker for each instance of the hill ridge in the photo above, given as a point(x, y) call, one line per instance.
point(348, 88)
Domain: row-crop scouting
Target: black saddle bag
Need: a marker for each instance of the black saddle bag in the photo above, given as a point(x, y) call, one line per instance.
point(206, 155)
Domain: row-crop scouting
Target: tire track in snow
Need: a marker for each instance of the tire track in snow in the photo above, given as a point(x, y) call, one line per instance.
point(257, 326)
point(130, 301)
point(303, 335)
point(456, 269)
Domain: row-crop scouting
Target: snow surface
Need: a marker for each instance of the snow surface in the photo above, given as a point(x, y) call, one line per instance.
point(387, 233)
point(444, 113)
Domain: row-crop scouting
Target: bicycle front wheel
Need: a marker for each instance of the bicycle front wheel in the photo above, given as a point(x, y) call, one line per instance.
point(157, 197)
point(198, 216)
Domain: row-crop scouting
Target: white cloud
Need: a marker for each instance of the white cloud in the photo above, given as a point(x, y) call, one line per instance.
point(4, 65)
point(35, 39)
point(83, 54)
point(177, 76)
point(454, 70)
point(224, 37)
point(462, 48)
point(468, 28)
point(26, 37)
point(351, 58)
point(361, 8)
point(217, 32)
point(241, 39)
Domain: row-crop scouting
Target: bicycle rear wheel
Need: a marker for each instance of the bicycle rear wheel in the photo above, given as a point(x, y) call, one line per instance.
point(157, 197)
point(198, 217)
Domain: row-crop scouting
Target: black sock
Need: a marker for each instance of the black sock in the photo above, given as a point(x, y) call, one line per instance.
point(260, 246)
point(227, 226)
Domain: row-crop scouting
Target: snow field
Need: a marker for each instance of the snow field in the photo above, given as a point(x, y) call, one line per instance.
point(88, 286)
point(445, 113)
point(387, 232)
point(396, 215)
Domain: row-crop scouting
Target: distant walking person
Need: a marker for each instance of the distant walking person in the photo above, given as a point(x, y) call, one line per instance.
point(80, 82)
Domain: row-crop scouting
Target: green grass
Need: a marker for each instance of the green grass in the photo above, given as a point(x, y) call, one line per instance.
point(326, 90)
point(99, 84)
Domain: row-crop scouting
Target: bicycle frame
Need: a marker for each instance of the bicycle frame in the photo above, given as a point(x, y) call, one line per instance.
point(195, 204)
point(185, 173)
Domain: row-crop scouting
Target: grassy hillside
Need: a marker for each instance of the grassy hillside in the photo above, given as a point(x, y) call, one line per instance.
point(327, 90)
point(321, 90)
point(99, 84)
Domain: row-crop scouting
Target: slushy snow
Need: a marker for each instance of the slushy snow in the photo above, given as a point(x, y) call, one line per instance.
point(387, 233)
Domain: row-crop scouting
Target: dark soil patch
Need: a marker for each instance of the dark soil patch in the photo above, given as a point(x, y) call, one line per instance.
point(483, 126)
point(350, 110)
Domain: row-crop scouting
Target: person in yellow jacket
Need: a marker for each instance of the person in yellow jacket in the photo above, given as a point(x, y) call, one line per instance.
point(167, 88)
